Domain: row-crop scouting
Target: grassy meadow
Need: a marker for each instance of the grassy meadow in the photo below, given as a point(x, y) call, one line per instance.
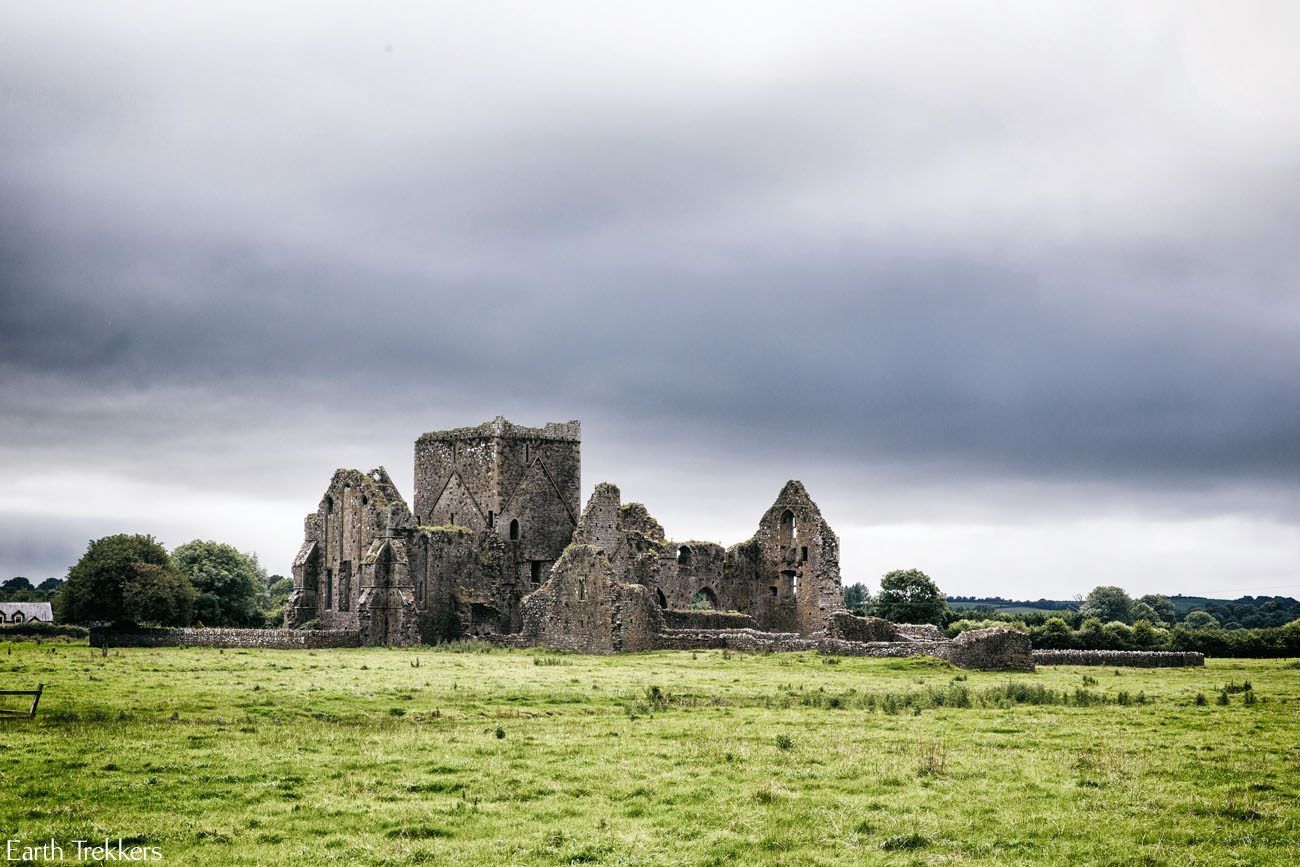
point(460, 756)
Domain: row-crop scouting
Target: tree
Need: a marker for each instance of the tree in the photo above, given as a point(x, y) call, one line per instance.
point(856, 596)
point(1108, 604)
point(158, 595)
point(1139, 610)
point(1198, 619)
point(96, 583)
point(278, 589)
point(1163, 606)
point(15, 585)
point(1055, 634)
point(230, 585)
point(910, 596)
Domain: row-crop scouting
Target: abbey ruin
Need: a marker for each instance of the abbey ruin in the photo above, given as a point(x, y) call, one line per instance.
point(496, 548)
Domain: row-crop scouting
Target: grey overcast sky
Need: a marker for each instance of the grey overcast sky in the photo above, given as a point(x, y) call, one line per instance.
point(1012, 287)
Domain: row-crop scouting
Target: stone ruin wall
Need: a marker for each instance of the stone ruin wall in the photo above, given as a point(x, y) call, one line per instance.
point(1124, 658)
point(584, 608)
point(275, 639)
point(357, 511)
point(786, 578)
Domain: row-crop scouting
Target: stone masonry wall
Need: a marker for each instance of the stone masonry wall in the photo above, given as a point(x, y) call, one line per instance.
point(280, 639)
point(993, 649)
point(850, 627)
point(1126, 658)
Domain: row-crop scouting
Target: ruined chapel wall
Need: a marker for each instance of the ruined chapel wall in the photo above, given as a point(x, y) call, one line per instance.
point(574, 609)
point(356, 509)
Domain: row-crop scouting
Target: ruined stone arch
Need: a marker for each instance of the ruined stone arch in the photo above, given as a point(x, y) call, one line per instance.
point(663, 600)
point(705, 597)
point(514, 528)
point(684, 555)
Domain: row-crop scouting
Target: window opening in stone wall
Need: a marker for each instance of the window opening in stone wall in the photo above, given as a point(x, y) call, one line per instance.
point(663, 600)
point(528, 452)
point(492, 522)
point(536, 570)
point(803, 554)
point(791, 580)
point(514, 529)
point(787, 527)
point(329, 589)
point(453, 519)
point(582, 589)
point(684, 555)
point(773, 590)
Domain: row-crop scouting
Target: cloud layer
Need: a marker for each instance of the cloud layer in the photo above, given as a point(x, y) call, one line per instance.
point(983, 277)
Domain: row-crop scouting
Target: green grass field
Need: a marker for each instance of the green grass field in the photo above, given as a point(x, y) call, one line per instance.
point(436, 756)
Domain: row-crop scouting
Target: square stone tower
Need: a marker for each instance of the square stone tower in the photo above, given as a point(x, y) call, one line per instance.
point(522, 483)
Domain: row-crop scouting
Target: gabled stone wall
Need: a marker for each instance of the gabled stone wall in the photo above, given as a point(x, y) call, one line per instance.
point(584, 608)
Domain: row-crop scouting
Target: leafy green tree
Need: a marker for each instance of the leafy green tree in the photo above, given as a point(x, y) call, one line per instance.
point(50, 585)
point(158, 595)
point(96, 583)
point(910, 596)
point(1163, 606)
point(15, 585)
point(1108, 604)
point(1198, 619)
point(1146, 636)
point(856, 596)
point(278, 589)
point(1139, 610)
point(231, 586)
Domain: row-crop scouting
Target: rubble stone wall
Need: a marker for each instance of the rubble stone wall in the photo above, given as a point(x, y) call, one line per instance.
point(280, 639)
point(850, 627)
point(993, 649)
point(1124, 658)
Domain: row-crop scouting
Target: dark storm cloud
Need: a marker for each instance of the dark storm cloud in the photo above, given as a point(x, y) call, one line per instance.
point(1012, 247)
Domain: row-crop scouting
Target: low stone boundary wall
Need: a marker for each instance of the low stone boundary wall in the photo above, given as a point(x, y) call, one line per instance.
point(997, 649)
point(919, 632)
point(1130, 658)
point(283, 639)
point(680, 618)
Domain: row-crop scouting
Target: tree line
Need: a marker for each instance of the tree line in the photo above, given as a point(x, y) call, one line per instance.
point(1108, 619)
point(131, 579)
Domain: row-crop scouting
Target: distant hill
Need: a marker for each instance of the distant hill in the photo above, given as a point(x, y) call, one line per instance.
point(1012, 606)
